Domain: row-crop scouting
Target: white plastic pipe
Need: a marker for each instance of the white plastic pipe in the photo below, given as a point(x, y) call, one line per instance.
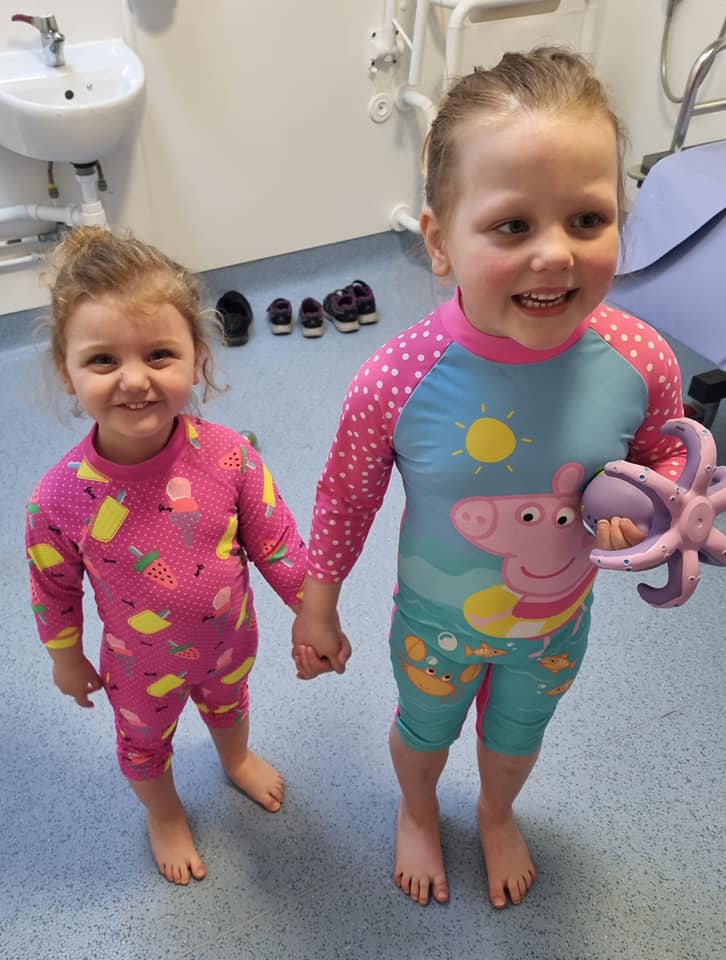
point(401, 219)
point(20, 261)
point(389, 12)
point(16, 242)
point(459, 14)
point(70, 215)
point(420, 24)
point(407, 97)
point(89, 213)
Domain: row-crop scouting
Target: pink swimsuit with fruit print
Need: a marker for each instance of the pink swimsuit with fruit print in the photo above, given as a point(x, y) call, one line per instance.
point(165, 545)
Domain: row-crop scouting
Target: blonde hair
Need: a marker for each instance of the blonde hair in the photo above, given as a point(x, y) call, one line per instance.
point(547, 79)
point(95, 262)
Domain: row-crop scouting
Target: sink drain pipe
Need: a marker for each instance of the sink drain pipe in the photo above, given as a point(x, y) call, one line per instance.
point(88, 213)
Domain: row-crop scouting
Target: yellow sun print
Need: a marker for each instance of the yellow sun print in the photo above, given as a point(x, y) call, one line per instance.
point(489, 440)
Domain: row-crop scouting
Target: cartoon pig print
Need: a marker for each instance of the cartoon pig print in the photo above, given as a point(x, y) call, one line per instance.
point(546, 568)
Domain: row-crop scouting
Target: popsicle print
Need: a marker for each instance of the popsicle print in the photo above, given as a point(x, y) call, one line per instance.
point(152, 566)
point(109, 517)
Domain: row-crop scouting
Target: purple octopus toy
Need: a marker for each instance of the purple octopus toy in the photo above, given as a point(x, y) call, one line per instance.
point(678, 517)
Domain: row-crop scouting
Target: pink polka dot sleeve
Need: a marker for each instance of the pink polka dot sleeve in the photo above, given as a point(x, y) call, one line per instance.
point(648, 353)
point(358, 469)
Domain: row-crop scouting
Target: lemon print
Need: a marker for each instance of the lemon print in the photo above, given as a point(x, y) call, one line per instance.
point(268, 490)
point(67, 637)
point(224, 547)
point(168, 732)
point(225, 708)
point(241, 671)
point(242, 612)
point(165, 684)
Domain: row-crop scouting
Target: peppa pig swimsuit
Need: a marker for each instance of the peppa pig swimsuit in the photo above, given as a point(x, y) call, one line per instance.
point(165, 545)
point(494, 443)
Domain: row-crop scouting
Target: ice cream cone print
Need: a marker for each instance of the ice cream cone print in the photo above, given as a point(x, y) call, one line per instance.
point(134, 720)
point(221, 605)
point(148, 622)
point(109, 517)
point(152, 566)
point(121, 653)
point(185, 514)
point(84, 471)
point(96, 574)
point(224, 660)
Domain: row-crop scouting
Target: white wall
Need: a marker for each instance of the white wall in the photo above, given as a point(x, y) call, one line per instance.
point(256, 139)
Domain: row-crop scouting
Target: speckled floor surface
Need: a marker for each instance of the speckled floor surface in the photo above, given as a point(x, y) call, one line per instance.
point(625, 812)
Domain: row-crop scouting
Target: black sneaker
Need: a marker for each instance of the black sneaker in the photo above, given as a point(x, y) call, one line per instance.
point(364, 301)
point(279, 313)
point(235, 313)
point(310, 318)
point(339, 307)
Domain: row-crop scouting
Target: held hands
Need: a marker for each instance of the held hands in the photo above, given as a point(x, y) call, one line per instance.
point(77, 680)
point(318, 644)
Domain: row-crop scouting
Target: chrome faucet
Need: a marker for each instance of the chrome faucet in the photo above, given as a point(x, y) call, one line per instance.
point(51, 37)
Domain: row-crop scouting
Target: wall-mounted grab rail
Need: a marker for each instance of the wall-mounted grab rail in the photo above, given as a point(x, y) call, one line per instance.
point(385, 48)
point(689, 107)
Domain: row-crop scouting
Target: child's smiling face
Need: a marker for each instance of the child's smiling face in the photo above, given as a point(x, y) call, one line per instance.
point(132, 372)
point(532, 238)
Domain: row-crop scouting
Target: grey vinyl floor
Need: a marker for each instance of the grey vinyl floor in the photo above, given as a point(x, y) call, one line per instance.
point(625, 812)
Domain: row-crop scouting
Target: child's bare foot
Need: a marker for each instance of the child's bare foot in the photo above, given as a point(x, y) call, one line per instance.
point(419, 864)
point(173, 848)
point(509, 865)
point(258, 779)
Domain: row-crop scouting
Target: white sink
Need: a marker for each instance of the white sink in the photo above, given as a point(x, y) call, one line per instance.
point(79, 112)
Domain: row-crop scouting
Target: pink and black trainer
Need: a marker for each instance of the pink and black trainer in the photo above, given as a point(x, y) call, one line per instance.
point(340, 308)
point(279, 313)
point(365, 302)
point(310, 317)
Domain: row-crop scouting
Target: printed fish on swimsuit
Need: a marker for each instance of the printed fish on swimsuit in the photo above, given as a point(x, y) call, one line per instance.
point(483, 650)
point(557, 662)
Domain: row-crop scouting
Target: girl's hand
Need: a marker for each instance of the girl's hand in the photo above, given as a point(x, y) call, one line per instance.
point(77, 680)
point(309, 664)
point(618, 533)
point(318, 640)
